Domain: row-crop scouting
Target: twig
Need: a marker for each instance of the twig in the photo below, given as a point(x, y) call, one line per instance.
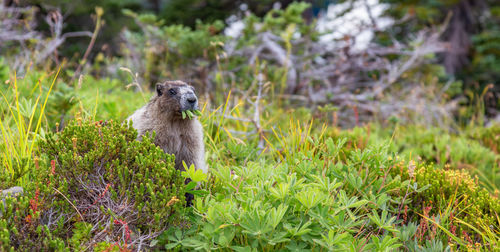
point(99, 13)
point(256, 115)
point(81, 217)
point(370, 15)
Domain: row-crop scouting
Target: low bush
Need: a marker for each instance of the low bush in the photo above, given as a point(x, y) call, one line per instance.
point(459, 151)
point(471, 150)
point(92, 183)
point(456, 202)
point(489, 137)
point(456, 169)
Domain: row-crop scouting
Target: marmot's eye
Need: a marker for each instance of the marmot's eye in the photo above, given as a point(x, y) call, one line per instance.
point(172, 91)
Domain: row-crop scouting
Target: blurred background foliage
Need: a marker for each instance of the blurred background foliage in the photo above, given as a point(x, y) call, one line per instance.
point(473, 56)
point(156, 37)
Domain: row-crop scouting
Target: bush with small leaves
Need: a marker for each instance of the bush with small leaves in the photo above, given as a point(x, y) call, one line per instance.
point(467, 210)
point(95, 183)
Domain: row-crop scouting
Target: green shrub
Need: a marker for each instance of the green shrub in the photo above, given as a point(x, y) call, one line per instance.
point(456, 150)
point(473, 150)
point(455, 199)
point(169, 51)
point(466, 209)
point(436, 145)
point(94, 182)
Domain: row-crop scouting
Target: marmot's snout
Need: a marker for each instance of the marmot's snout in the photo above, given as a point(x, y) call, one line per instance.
point(189, 101)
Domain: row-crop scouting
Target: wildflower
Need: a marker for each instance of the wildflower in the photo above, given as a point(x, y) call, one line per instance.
point(405, 216)
point(411, 168)
point(79, 118)
point(36, 162)
point(172, 201)
point(53, 167)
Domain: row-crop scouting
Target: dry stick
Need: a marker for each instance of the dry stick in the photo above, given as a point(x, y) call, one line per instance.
point(55, 21)
point(68, 202)
point(370, 15)
point(341, 78)
point(343, 72)
point(99, 13)
point(256, 115)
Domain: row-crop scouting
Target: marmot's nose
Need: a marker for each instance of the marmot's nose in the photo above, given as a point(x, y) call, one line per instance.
point(191, 99)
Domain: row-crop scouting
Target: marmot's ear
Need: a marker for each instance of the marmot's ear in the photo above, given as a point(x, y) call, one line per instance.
point(159, 89)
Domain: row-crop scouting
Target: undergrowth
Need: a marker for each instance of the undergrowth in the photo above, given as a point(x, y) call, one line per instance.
point(288, 185)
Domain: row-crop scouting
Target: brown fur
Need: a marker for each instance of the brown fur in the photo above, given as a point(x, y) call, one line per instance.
point(181, 137)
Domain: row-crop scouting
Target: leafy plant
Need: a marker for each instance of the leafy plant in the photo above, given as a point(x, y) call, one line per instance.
point(190, 114)
point(293, 204)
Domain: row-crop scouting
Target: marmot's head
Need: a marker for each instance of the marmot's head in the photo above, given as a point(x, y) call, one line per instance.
point(174, 97)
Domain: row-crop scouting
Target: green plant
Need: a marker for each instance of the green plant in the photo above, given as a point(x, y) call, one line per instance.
point(168, 50)
point(460, 152)
point(472, 149)
point(105, 99)
point(488, 137)
point(283, 177)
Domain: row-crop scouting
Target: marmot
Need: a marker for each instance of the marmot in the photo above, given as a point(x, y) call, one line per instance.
point(163, 114)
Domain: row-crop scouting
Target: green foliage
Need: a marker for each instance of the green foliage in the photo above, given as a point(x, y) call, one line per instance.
point(279, 20)
point(453, 200)
point(174, 51)
point(452, 189)
point(460, 152)
point(104, 99)
point(309, 200)
point(488, 137)
point(190, 12)
point(473, 150)
point(286, 179)
point(487, 54)
point(190, 114)
point(81, 234)
point(314, 188)
point(4, 69)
